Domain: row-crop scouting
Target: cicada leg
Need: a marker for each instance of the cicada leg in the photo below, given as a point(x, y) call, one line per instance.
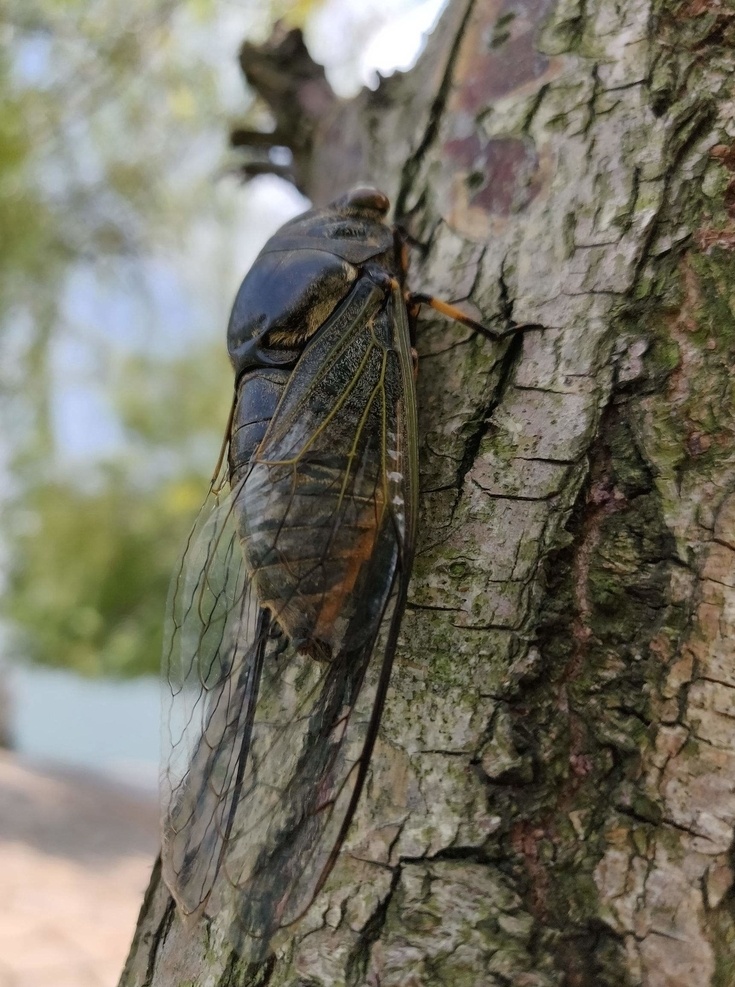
point(414, 301)
point(415, 363)
point(282, 642)
point(279, 638)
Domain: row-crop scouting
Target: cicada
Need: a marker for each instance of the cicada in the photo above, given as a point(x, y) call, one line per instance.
point(285, 611)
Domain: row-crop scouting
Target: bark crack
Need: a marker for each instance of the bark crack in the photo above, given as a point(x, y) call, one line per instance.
point(473, 442)
point(358, 958)
point(411, 167)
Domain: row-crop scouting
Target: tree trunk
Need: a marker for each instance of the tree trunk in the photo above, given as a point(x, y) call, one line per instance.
point(552, 797)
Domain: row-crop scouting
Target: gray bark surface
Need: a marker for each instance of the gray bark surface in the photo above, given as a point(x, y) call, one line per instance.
point(552, 797)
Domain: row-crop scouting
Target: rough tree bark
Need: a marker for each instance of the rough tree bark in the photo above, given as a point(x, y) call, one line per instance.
point(552, 799)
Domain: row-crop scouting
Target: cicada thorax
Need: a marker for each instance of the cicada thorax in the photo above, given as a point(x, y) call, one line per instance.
point(314, 430)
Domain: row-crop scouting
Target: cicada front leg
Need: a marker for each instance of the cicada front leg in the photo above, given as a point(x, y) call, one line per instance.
point(414, 301)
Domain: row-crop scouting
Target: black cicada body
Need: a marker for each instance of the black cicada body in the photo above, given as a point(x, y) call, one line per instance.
point(284, 615)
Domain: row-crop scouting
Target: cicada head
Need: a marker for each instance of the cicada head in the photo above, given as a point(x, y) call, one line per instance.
point(351, 227)
point(302, 274)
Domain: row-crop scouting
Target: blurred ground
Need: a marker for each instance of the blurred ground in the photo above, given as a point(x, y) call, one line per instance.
point(75, 858)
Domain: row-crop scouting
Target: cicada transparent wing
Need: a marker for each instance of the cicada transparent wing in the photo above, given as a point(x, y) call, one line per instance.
point(285, 618)
point(215, 639)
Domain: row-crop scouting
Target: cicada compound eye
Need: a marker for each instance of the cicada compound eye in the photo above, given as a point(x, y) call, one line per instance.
point(368, 198)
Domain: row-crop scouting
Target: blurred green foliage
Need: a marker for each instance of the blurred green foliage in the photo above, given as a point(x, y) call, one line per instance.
point(89, 591)
point(92, 554)
point(106, 107)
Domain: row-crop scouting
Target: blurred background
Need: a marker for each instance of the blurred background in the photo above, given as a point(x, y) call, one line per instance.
point(125, 232)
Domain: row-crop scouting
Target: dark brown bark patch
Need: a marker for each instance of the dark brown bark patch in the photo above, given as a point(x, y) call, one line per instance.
point(587, 718)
